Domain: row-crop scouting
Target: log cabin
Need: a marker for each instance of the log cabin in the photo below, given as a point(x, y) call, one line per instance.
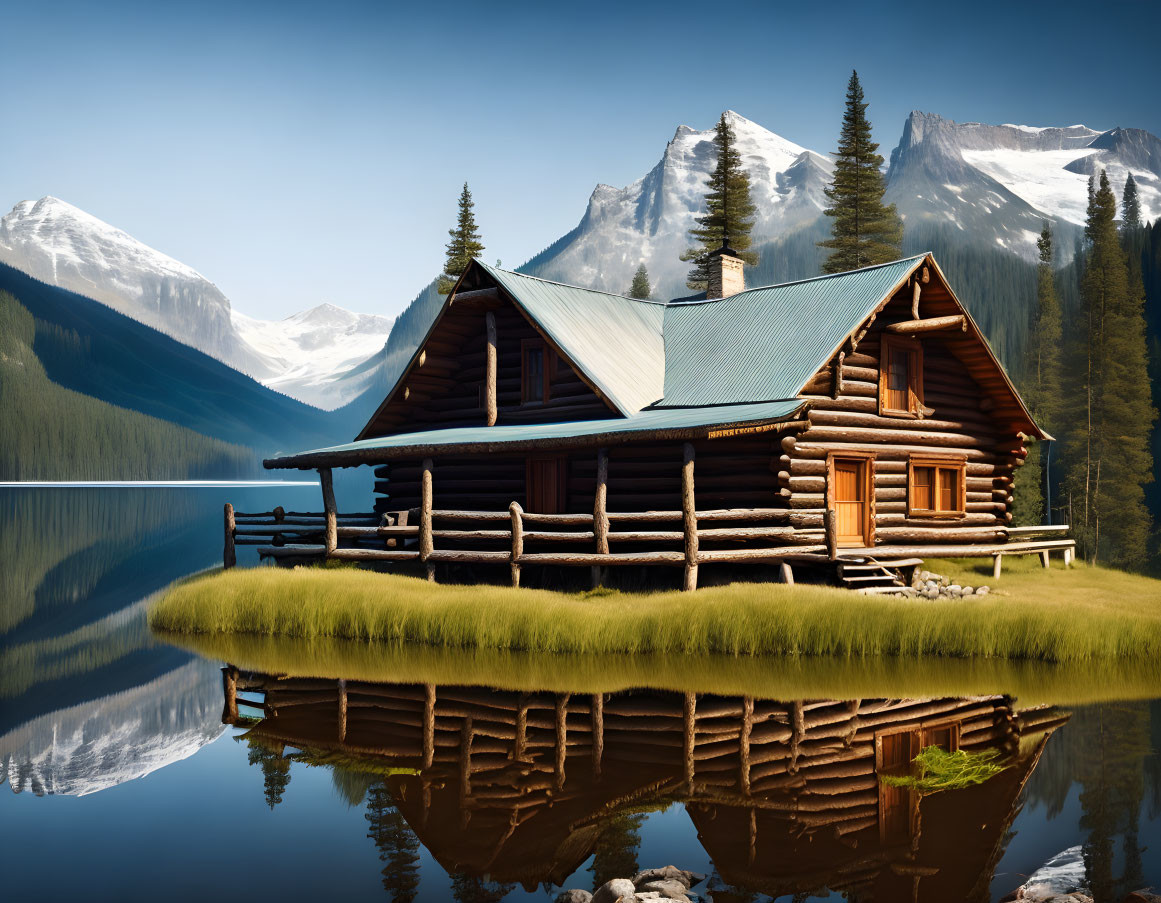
point(786, 796)
point(858, 421)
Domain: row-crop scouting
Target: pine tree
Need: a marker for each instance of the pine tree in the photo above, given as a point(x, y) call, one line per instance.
point(1109, 456)
point(640, 289)
point(1043, 387)
point(729, 213)
point(1131, 205)
point(397, 844)
point(864, 231)
point(465, 243)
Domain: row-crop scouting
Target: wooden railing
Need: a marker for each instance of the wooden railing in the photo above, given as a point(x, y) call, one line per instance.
point(518, 538)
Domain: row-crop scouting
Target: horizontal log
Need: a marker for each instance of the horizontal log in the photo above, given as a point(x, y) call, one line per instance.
point(917, 436)
point(374, 555)
point(931, 324)
point(592, 558)
point(558, 536)
point(938, 534)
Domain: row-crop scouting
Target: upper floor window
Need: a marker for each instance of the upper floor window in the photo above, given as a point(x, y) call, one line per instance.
point(935, 487)
point(900, 377)
point(535, 368)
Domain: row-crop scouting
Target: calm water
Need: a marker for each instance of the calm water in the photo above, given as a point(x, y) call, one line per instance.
point(123, 782)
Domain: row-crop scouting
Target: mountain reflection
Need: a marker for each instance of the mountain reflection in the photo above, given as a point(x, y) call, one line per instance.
point(508, 788)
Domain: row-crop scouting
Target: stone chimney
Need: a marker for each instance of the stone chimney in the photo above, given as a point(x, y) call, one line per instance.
point(725, 273)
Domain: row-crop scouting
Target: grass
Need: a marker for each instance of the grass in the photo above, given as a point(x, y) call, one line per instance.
point(1064, 617)
point(941, 770)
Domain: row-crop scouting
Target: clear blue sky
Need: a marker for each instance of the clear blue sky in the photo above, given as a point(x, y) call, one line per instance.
point(302, 152)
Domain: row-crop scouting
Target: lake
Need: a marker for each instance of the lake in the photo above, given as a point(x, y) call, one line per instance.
point(136, 769)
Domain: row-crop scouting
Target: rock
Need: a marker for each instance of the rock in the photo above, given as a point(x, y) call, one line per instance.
point(968, 590)
point(668, 872)
point(1142, 896)
point(955, 590)
point(668, 888)
point(944, 581)
point(574, 895)
point(983, 590)
point(614, 891)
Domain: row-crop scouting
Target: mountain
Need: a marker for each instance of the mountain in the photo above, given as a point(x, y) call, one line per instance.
point(317, 355)
point(304, 356)
point(996, 184)
point(90, 348)
point(649, 220)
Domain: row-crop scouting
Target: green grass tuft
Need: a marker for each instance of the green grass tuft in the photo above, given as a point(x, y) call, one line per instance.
point(1083, 615)
point(937, 769)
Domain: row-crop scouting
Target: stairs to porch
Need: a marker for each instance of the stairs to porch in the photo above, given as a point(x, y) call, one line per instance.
point(871, 576)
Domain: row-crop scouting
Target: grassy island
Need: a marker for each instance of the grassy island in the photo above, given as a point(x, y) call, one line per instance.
point(1057, 616)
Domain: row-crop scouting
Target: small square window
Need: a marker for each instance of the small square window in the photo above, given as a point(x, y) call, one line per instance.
point(935, 488)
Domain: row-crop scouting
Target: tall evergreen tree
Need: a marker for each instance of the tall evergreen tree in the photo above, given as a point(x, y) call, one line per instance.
point(1043, 387)
point(864, 231)
point(640, 288)
point(1130, 205)
point(398, 846)
point(1109, 456)
point(464, 245)
point(729, 215)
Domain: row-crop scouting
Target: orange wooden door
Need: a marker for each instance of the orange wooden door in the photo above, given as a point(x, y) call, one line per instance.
point(850, 500)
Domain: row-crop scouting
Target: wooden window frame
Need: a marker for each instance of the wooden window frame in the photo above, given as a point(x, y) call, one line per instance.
point(937, 463)
point(912, 797)
point(892, 345)
point(869, 477)
point(925, 731)
point(527, 345)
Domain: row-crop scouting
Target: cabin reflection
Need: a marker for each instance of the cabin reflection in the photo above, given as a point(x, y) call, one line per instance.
point(785, 796)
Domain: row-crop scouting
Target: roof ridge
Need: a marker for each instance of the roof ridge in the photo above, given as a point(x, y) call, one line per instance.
point(762, 288)
point(595, 291)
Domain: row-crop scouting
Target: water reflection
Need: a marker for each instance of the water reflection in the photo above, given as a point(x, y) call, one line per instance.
point(508, 788)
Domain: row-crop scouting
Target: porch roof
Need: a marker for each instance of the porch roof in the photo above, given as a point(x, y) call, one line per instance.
point(654, 422)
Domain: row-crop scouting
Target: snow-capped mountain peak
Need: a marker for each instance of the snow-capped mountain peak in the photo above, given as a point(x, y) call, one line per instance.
point(306, 356)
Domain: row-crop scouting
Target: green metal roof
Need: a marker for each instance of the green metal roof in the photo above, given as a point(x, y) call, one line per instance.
point(768, 342)
point(515, 436)
point(615, 340)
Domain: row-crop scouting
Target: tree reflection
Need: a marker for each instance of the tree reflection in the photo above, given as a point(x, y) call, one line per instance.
point(275, 770)
point(615, 854)
point(397, 844)
point(475, 889)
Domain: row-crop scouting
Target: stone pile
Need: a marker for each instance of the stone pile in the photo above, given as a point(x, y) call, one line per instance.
point(668, 883)
point(926, 585)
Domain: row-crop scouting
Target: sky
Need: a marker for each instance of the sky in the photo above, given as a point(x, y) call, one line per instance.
point(296, 153)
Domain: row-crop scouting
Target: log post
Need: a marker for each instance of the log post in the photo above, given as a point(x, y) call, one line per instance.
point(997, 564)
point(830, 521)
point(561, 749)
point(229, 556)
point(520, 741)
point(689, 518)
point(786, 573)
point(598, 736)
point(428, 725)
point(689, 736)
point(915, 292)
point(426, 543)
point(328, 494)
point(600, 513)
point(517, 514)
point(1044, 559)
point(342, 710)
point(490, 373)
point(744, 744)
point(230, 691)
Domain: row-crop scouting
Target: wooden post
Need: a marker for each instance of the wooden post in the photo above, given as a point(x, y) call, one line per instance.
point(428, 725)
point(520, 742)
point(997, 561)
point(1044, 559)
point(426, 543)
point(342, 710)
point(600, 513)
point(490, 373)
point(561, 737)
point(230, 691)
point(830, 520)
point(328, 494)
point(598, 713)
point(689, 518)
point(229, 556)
point(689, 736)
point(915, 292)
point(786, 573)
point(797, 735)
point(517, 514)
point(744, 743)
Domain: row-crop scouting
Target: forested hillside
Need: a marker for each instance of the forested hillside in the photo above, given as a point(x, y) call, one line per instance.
point(51, 432)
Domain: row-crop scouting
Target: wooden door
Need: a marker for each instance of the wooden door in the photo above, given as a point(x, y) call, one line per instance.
point(898, 806)
point(851, 505)
point(545, 484)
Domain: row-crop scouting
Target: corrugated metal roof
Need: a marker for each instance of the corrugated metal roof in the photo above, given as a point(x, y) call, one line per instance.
point(768, 342)
point(615, 340)
point(650, 420)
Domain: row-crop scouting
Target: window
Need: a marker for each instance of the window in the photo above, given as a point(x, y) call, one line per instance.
point(534, 372)
point(945, 736)
point(935, 487)
point(901, 377)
